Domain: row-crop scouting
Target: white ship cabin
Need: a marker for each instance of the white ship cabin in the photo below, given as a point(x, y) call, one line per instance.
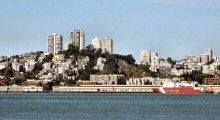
point(169, 83)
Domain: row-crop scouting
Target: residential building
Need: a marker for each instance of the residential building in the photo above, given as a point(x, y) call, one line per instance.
point(155, 61)
point(16, 66)
point(106, 44)
point(96, 42)
point(210, 54)
point(82, 62)
point(211, 81)
point(193, 58)
point(145, 56)
point(78, 39)
point(59, 58)
point(108, 79)
point(100, 64)
point(3, 65)
point(204, 58)
point(47, 66)
point(55, 43)
point(29, 65)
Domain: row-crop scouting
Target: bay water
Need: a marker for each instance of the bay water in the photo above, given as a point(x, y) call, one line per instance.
point(109, 106)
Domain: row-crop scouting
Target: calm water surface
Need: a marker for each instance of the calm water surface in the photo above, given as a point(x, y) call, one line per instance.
point(98, 106)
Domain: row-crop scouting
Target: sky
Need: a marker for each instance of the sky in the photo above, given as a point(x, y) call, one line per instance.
point(173, 28)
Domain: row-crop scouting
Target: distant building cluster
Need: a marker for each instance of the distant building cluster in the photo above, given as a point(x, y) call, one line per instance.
point(150, 58)
point(57, 66)
point(77, 39)
point(204, 63)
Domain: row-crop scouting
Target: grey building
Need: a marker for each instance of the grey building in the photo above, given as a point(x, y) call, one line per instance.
point(55, 43)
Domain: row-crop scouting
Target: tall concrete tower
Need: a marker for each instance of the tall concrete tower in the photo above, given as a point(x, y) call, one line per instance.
point(107, 45)
point(55, 43)
point(78, 39)
point(210, 54)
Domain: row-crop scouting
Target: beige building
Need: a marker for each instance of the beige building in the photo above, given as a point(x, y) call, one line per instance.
point(145, 56)
point(107, 45)
point(55, 43)
point(108, 79)
point(193, 58)
point(78, 39)
point(204, 58)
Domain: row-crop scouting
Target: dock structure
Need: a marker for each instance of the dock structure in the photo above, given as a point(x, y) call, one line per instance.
point(96, 89)
point(106, 89)
point(213, 88)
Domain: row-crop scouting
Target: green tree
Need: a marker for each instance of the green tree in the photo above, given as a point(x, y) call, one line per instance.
point(29, 75)
point(169, 59)
point(18, 81)
point(21, 68)
point(48, 58)
point(98, 52)
point(37, 68)
point(8, 72)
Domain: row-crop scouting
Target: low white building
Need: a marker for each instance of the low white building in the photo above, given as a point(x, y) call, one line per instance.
point(16, 66)
point(100, 64)
point(32, 89)
point(48, 77)
point(3, 65)
point(29, 65)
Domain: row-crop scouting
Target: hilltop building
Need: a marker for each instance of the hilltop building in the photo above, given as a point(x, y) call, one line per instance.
point(55, 43)
point(78, 39)
point(210, 54)
point(106, 44)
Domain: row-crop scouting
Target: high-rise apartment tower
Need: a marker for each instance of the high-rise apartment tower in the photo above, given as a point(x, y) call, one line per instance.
point(55, 43)
point(78, 39)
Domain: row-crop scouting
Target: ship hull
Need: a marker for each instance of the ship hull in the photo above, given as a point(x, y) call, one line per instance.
point(179, 90)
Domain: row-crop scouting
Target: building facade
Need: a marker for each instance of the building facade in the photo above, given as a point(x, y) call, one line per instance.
point(145, 56)
point(210, 54)
point(78, 39)
point(108, 79)
point(106, 44)
point(96, 42)
point(204, 58)
point(211, 81)
point(55, 43)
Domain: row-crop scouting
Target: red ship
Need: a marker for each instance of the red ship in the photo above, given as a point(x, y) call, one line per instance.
point(171, 88)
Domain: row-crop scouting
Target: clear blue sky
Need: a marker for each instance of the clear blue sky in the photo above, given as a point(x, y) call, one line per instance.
point(173, 28)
